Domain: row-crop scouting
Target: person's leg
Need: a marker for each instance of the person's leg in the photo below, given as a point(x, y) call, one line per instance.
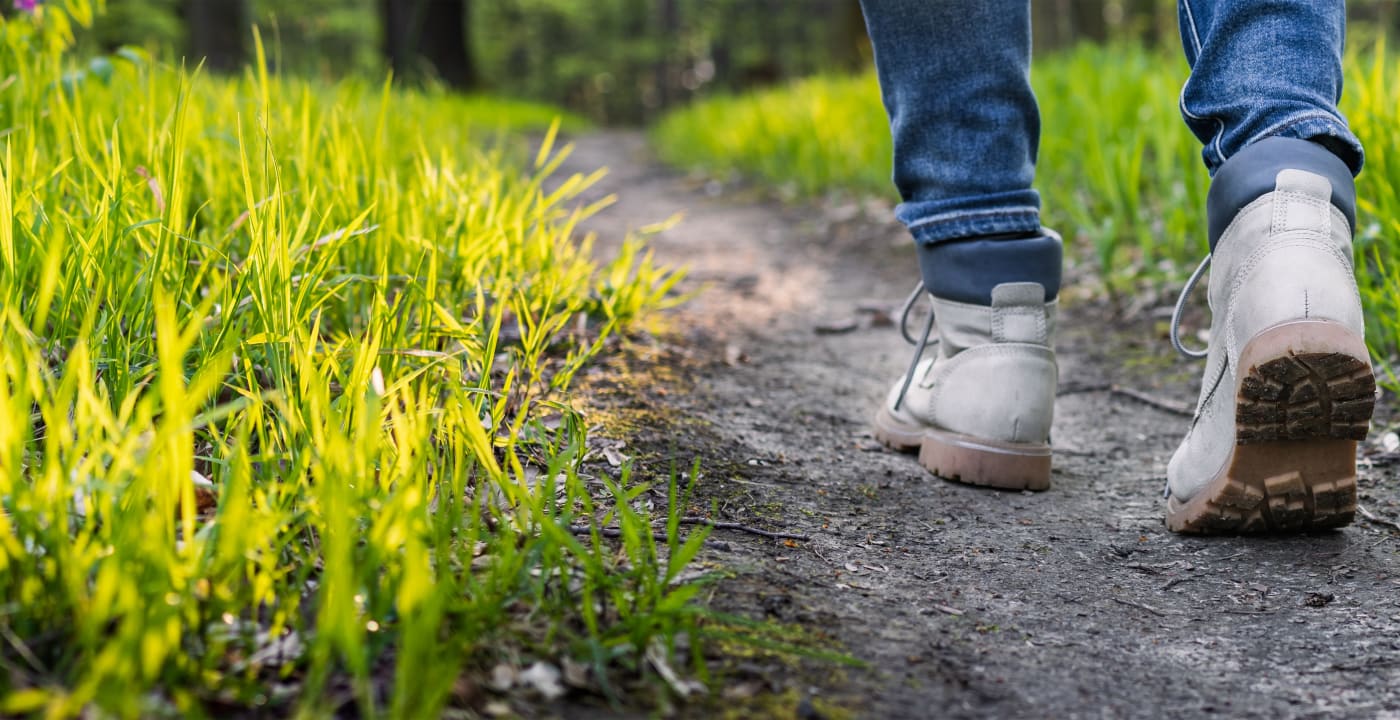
point(1288, 388)
point(1261, 69)
point(954, 78)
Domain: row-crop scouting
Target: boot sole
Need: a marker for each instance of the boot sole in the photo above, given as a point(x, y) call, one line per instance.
point(966, 459)
point(1303, 401)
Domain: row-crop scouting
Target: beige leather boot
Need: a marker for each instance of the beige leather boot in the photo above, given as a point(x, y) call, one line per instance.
point(979, 412)
point(1288, 388)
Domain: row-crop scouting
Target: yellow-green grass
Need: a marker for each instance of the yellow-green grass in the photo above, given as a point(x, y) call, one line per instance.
point(354, 310)
point(1118, 171)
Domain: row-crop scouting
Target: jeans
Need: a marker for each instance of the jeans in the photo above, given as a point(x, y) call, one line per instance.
point(954, 76)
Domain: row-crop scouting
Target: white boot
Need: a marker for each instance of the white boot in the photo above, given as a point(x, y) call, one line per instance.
point(980, 411)
point(1288, 388)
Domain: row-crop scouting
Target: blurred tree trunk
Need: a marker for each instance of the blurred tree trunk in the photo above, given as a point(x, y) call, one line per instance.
point(218, 31)
point(1057, 24)
point(766, 68)
point(430, 33)
point(852, 49)
point(665, 71)
point(1152, 21)
point(1088, 20)
point(1380, 13)
point(720, 46)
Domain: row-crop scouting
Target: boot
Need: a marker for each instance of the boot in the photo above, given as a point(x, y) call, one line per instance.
point(1288, 387)
point(979, 412)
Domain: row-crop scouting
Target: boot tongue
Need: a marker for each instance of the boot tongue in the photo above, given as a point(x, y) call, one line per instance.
point(1018, 313)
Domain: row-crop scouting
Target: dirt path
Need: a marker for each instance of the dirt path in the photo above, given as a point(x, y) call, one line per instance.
point(967, 602)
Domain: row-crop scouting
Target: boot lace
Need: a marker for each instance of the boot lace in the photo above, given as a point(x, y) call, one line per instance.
point(1181, 307)
point(1176, 332)
point(920, 344)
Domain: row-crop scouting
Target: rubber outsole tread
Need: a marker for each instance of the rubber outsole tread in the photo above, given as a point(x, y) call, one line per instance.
point(1306, 396)
point(969, 460)
point(1282, 503)
point(1298, 416)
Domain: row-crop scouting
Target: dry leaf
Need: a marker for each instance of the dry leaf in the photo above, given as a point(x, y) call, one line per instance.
point(656, 655)
point(575, 673)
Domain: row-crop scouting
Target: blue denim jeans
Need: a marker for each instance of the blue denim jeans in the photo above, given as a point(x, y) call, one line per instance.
point(954, 75)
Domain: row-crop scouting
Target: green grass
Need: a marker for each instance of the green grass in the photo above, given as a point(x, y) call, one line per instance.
point(1119, 173)
point(811, 137)
point(355, 311)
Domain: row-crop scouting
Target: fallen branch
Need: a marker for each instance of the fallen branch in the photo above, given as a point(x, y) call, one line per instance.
point(1177, 581)
point(743, 528)
point(1140, 606)
point(1374, 518)
point(1131, 394)
point(612, 532)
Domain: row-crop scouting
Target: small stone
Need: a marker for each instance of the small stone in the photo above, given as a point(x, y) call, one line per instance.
point(502, 678)
point(837, 326)
point(545, 679)
point(1318, 600)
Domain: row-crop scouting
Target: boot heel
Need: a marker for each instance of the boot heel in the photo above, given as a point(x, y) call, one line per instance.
point(975, 461)
point(1275, 487)
point(1304, 397)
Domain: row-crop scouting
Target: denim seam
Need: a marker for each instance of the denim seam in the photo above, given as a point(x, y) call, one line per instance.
point(1196, 43)
point(970, 229)
point(1219, 134)
point(1278, 128)
point(947, 218)
point(1191, 23)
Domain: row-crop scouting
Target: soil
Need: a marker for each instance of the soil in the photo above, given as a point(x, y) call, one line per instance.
point(968, 602)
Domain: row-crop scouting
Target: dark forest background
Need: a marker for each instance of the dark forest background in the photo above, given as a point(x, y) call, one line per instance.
point(617, 61)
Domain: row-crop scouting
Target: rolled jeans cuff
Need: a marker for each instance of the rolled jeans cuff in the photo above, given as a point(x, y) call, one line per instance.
point(935, 221)
point(1325, 130)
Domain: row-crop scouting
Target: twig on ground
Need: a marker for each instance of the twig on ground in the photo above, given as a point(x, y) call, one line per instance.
point(612, 532)
point(22, 650)
point(1140, 606)
point(1351, 667)
point(1370, 663)
point(1374, 518)
point(1144, 398)
point(1177, 581)
point(744, 528)
point(608, 532)
point(1131, 394)
point(1382, 459)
